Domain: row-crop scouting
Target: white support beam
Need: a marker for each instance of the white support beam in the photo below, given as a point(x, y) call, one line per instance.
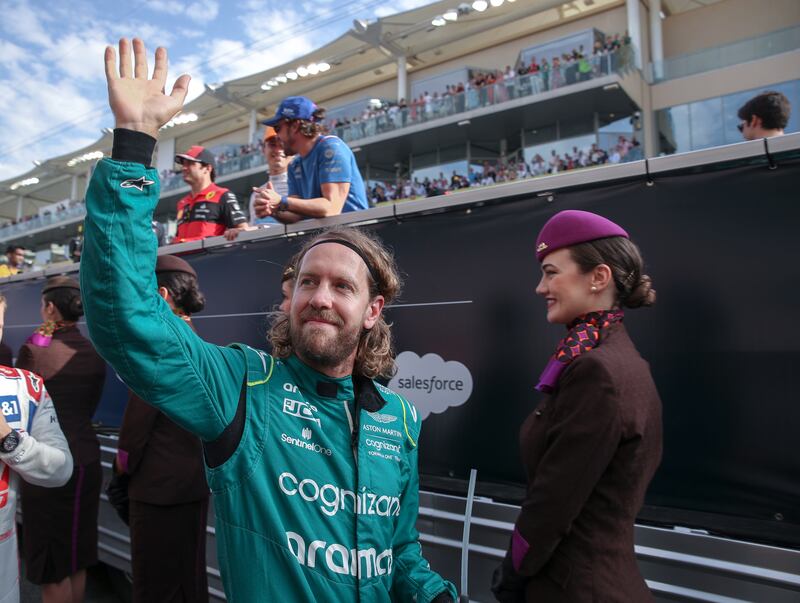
point(402, 79)
point(73, 191)
point(19, 208)
point(634, 30)
point(252, 135)
point(656, 38)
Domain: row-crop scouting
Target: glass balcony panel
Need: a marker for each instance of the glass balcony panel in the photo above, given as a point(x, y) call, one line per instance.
point(751, 49)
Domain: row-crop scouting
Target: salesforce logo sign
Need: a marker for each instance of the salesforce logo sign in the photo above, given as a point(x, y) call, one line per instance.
point(432, 384)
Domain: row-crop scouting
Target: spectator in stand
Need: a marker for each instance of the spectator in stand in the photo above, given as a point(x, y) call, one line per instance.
point(208, 210)
point(60, 535)
point(764, 116)
point(324, 179)
point(15, 261)
point(278, 169)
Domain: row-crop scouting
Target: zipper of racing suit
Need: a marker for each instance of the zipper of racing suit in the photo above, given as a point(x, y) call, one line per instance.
point(354, 428)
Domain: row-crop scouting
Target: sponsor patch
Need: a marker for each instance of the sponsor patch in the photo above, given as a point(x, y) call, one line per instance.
point(382, 418)
point(331, 498)
point(338, 559)
point(9, 406)
point(306, 443)
point(301, 410)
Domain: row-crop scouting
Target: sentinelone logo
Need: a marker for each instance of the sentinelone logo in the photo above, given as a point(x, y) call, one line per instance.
point(312, 446)
point(431, 383)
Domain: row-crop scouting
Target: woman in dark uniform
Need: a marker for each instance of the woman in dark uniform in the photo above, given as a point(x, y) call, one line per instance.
point(167, 488)
point(60, 531)
point(593, 443)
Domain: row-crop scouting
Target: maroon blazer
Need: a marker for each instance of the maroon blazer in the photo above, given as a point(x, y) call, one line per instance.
point(165, 461)
point(590, 450)
point(74, 374)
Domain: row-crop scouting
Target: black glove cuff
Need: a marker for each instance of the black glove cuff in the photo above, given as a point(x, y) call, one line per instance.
point(133, 146)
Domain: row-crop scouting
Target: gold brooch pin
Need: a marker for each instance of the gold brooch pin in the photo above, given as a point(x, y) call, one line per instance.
point(542, 246)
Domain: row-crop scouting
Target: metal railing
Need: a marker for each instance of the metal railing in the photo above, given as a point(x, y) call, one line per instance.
point(77, 209)
point(751, 49)
point(520, 86)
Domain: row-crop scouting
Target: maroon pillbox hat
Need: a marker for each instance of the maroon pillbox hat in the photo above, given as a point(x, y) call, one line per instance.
point(172, 263)
point(571, 227)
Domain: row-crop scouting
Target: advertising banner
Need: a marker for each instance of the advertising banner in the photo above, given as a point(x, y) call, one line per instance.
point(472, 339)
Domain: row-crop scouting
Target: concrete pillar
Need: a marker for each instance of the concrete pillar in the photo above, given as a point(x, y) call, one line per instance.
point(19, 208)
point(253, 131)
point(634, 30)
point(402, 79)
point(73, 192)
point(656, 39)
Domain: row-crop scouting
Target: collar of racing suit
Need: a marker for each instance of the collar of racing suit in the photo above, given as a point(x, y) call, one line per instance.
point(343, 388)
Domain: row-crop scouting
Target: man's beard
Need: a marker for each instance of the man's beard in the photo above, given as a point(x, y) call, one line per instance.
point(316, 345)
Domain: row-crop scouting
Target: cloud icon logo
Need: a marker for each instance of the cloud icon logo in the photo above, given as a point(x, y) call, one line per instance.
point(432, 384)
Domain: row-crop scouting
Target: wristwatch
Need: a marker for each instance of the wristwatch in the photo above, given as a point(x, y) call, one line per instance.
point(284, 204)
point(10, 442)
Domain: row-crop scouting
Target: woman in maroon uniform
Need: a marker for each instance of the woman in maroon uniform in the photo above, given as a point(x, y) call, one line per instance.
point(60, 531)
point(167, 483)
point(593, 443)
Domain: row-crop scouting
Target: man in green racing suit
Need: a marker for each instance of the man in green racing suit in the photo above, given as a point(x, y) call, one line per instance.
point(312, 464)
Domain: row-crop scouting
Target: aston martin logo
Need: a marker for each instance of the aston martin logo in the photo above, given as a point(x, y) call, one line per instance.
point(139, 183)
point(382, 418)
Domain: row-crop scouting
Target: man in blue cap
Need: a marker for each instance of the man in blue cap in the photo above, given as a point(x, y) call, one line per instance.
point(323, 177)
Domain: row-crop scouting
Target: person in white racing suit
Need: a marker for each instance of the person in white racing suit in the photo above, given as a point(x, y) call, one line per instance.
point(32, 447)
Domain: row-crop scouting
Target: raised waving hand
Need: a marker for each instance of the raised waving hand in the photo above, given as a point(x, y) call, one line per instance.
point(138, 102)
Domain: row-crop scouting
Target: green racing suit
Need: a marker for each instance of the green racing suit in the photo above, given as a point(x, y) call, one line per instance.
point(316, 497)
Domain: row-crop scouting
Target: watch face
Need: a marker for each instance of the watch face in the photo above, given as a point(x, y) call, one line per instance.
point(10, 442)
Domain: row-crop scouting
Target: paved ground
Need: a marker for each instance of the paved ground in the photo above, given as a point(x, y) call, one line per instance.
point(99, 588)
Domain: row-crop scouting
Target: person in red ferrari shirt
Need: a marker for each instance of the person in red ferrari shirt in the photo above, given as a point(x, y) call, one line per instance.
point(208, 210)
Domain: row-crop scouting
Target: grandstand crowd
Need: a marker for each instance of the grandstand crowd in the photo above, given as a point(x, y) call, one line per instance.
point(506, 171)
point(489, 87)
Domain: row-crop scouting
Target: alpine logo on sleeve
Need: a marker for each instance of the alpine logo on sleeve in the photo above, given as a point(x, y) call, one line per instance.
point(35, 386)
point(139, 183)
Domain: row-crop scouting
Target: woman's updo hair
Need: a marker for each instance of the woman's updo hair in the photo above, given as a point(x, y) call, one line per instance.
point(634, 289)
point(183, 289)
point(66, 297)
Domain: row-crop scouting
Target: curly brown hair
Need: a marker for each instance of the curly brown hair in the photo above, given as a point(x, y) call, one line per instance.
point(375, 353)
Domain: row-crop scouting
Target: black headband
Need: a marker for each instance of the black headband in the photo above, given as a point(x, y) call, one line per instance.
point(349, 245)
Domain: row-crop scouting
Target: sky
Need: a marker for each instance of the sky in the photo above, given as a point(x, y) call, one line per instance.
point(52, 84)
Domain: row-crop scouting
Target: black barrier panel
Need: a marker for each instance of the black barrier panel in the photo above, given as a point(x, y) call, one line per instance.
point(722, 340)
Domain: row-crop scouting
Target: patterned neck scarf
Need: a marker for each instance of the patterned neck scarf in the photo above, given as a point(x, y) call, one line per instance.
point(43, 335)
point(583, 334)
point(182, 315)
